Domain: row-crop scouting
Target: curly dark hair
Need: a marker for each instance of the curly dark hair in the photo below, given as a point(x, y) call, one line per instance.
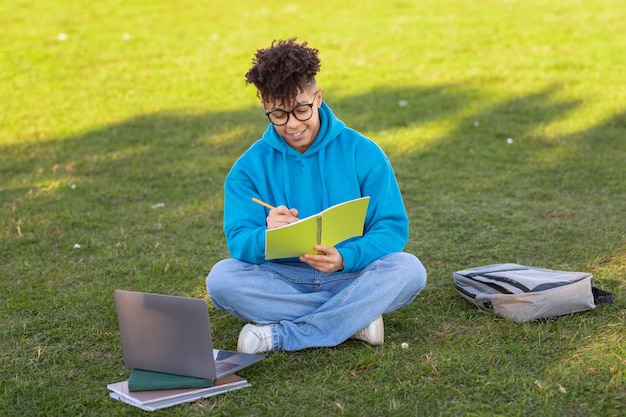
point(283, 70)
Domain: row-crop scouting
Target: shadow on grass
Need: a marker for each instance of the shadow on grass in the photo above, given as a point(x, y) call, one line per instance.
point(112, 177)
point(471, 196)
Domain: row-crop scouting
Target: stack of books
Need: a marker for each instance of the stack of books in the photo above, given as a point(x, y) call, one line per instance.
point(155, 390)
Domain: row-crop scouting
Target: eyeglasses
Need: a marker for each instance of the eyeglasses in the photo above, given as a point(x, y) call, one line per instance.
point(301, 112)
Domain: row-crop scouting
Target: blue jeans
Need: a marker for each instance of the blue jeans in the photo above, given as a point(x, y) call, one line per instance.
point(307, 308)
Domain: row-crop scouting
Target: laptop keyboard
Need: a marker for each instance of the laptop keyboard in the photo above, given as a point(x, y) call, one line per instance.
point(224, 366)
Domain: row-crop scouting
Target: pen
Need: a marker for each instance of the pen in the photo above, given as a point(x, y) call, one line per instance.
point(264, 204)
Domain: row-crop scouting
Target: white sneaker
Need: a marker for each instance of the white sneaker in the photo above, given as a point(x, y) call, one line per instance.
point(255, 338)
point(373, 333)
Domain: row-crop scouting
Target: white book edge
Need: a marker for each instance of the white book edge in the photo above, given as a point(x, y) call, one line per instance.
point(119, 391)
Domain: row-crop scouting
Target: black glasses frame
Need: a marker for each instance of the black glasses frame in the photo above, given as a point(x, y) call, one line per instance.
point(288, 113)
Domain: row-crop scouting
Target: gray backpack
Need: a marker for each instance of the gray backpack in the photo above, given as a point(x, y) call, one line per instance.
point(523, 293)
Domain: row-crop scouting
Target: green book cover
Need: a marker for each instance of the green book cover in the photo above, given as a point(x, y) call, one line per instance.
point(141, 380)
point(328, 227)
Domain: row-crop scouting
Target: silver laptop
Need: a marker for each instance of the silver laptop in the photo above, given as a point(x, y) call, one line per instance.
point(165, 333)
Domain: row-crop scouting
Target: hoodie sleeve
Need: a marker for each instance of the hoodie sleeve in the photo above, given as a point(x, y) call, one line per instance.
point(244, 221)
point(386, 226)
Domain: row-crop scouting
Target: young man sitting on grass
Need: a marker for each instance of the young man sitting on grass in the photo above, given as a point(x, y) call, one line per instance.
point(306, 161)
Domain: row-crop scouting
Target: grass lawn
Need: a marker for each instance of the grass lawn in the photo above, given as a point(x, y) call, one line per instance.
point(505, 122)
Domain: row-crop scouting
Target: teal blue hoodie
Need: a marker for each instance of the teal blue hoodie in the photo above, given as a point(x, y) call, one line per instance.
point(340, 165)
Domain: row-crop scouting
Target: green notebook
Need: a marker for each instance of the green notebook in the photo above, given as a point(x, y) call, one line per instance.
point(141, 380)
point(329, 227)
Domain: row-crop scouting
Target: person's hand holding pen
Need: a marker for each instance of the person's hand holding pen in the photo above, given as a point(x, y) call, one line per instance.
point(278, 216)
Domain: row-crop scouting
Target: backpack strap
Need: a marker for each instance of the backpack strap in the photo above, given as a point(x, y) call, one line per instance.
point(601, 296)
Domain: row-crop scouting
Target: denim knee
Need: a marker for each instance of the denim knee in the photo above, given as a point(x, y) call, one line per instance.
point(414, 272)
point(216, 285)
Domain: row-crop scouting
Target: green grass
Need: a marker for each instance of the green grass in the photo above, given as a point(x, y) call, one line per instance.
point(119, 137)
